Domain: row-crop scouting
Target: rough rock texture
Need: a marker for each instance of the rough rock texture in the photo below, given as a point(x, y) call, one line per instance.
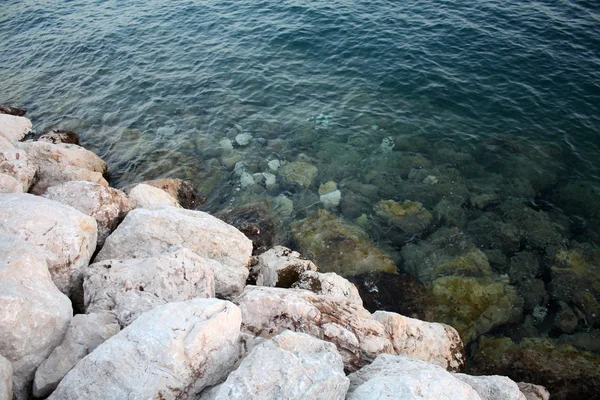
point(8, 184)
point(409, 216)
point(281, 267)
point(34, 317)
point(267, 311)
point(436, 343)
point(329, 284)
point(145, 196)
point(171, 352)
point(14, 128)
point(60, 163)
point(59, 136)
point(399, 377)
point(6, 378)
point(493, 387)
point(16, 163)
point(12, 110)
point(182, 191)
point(290, 366)
point(151, 232)
point(107, 206)
point(533, 392)
point(299, 172)
point(336, 246)
point(85, 333)
point(61, 234)
point(132, 286)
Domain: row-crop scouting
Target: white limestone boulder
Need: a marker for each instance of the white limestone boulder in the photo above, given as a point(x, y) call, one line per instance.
point(182, 191)
point(34, 318)
point(399, 377)
point(14, 128)
point(60, 162)
point(290, 366)
point(281, 267)
point(85, 333)
point(6, 378)
point(106, 205)
point(146, 196)
point(171, 352)
point(151, 232)
point(329, 284)
point(359, 338)
point(132, 286)
point(436, 343)
point(8, 184)
point(65, 237)
point(493, 387)
point(16, 163)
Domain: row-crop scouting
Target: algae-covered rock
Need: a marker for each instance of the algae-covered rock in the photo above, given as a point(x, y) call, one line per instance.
point(446, 252)
point(337, 246)
point(473, 306)
point(299, 172)
point(581, 198)
point(488, 231)
point(576, 280)
point(409, 216)
point(565, 371)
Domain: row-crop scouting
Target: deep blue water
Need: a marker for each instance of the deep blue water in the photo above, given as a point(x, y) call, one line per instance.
point(512, 88)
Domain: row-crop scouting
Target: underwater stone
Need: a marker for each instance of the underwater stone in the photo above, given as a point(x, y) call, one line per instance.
point(387, 144)
point(243, 139)
point(283, 205)
point(409, 216)
point(274, 165)
point(226, 145)
point(430, 180)
point(331, 199)
point(474, 306)
point(299, 172)
point(328, 187)
point(246, 179)
point(337, 246)
point(451, 213)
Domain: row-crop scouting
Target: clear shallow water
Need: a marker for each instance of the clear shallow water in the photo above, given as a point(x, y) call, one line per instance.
point(482, 93)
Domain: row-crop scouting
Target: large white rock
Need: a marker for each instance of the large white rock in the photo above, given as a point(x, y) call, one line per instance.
point(85, 333)
point(14, 128)
point(399, 377)
point(34, 316)
point(6, 378)
point(171, 352)
point(281, 267)
point(290, 366)
point(8, 184)
point(106, 205)
point(5, 144)
point(493, 387)
point(16, 163)
point(145, 196)
point(60, 162)
point(329, 284)
point(439, 344)
point(132, 286)
point(267, 311)
point(65, 237)
point(151, 232)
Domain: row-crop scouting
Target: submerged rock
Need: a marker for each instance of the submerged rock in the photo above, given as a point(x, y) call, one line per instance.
point(34, 318)
point(473, 306)
point(59, 136)
point(400, 377)
point(337, 246)
point(409, 216)
point(19, 112)
point(566, 372)
point(173, 351)
point(180, 190)
point(146, 196)
point(85, 333)
point(289, 366)
point(299, 172)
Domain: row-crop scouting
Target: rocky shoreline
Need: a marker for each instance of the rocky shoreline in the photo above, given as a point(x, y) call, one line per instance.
point(108, 293)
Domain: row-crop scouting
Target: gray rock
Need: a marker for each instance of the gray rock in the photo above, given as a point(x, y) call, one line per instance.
point(281, 267)
point(132, 286)
point(6, 378)
point(150, 232)
point(85, 333)
point(173, 351)
point(243, 139)
point(290, 366)
point(107, 206)
point(34, 319)
point(399, 377)
point(533, 392)
point(493, 387)
point(267, 311)
point(439, 344)
point(65, 237)
point(14, 128)
point(329, 284)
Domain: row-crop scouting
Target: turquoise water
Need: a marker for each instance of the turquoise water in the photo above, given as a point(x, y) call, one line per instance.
point(493, 98)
